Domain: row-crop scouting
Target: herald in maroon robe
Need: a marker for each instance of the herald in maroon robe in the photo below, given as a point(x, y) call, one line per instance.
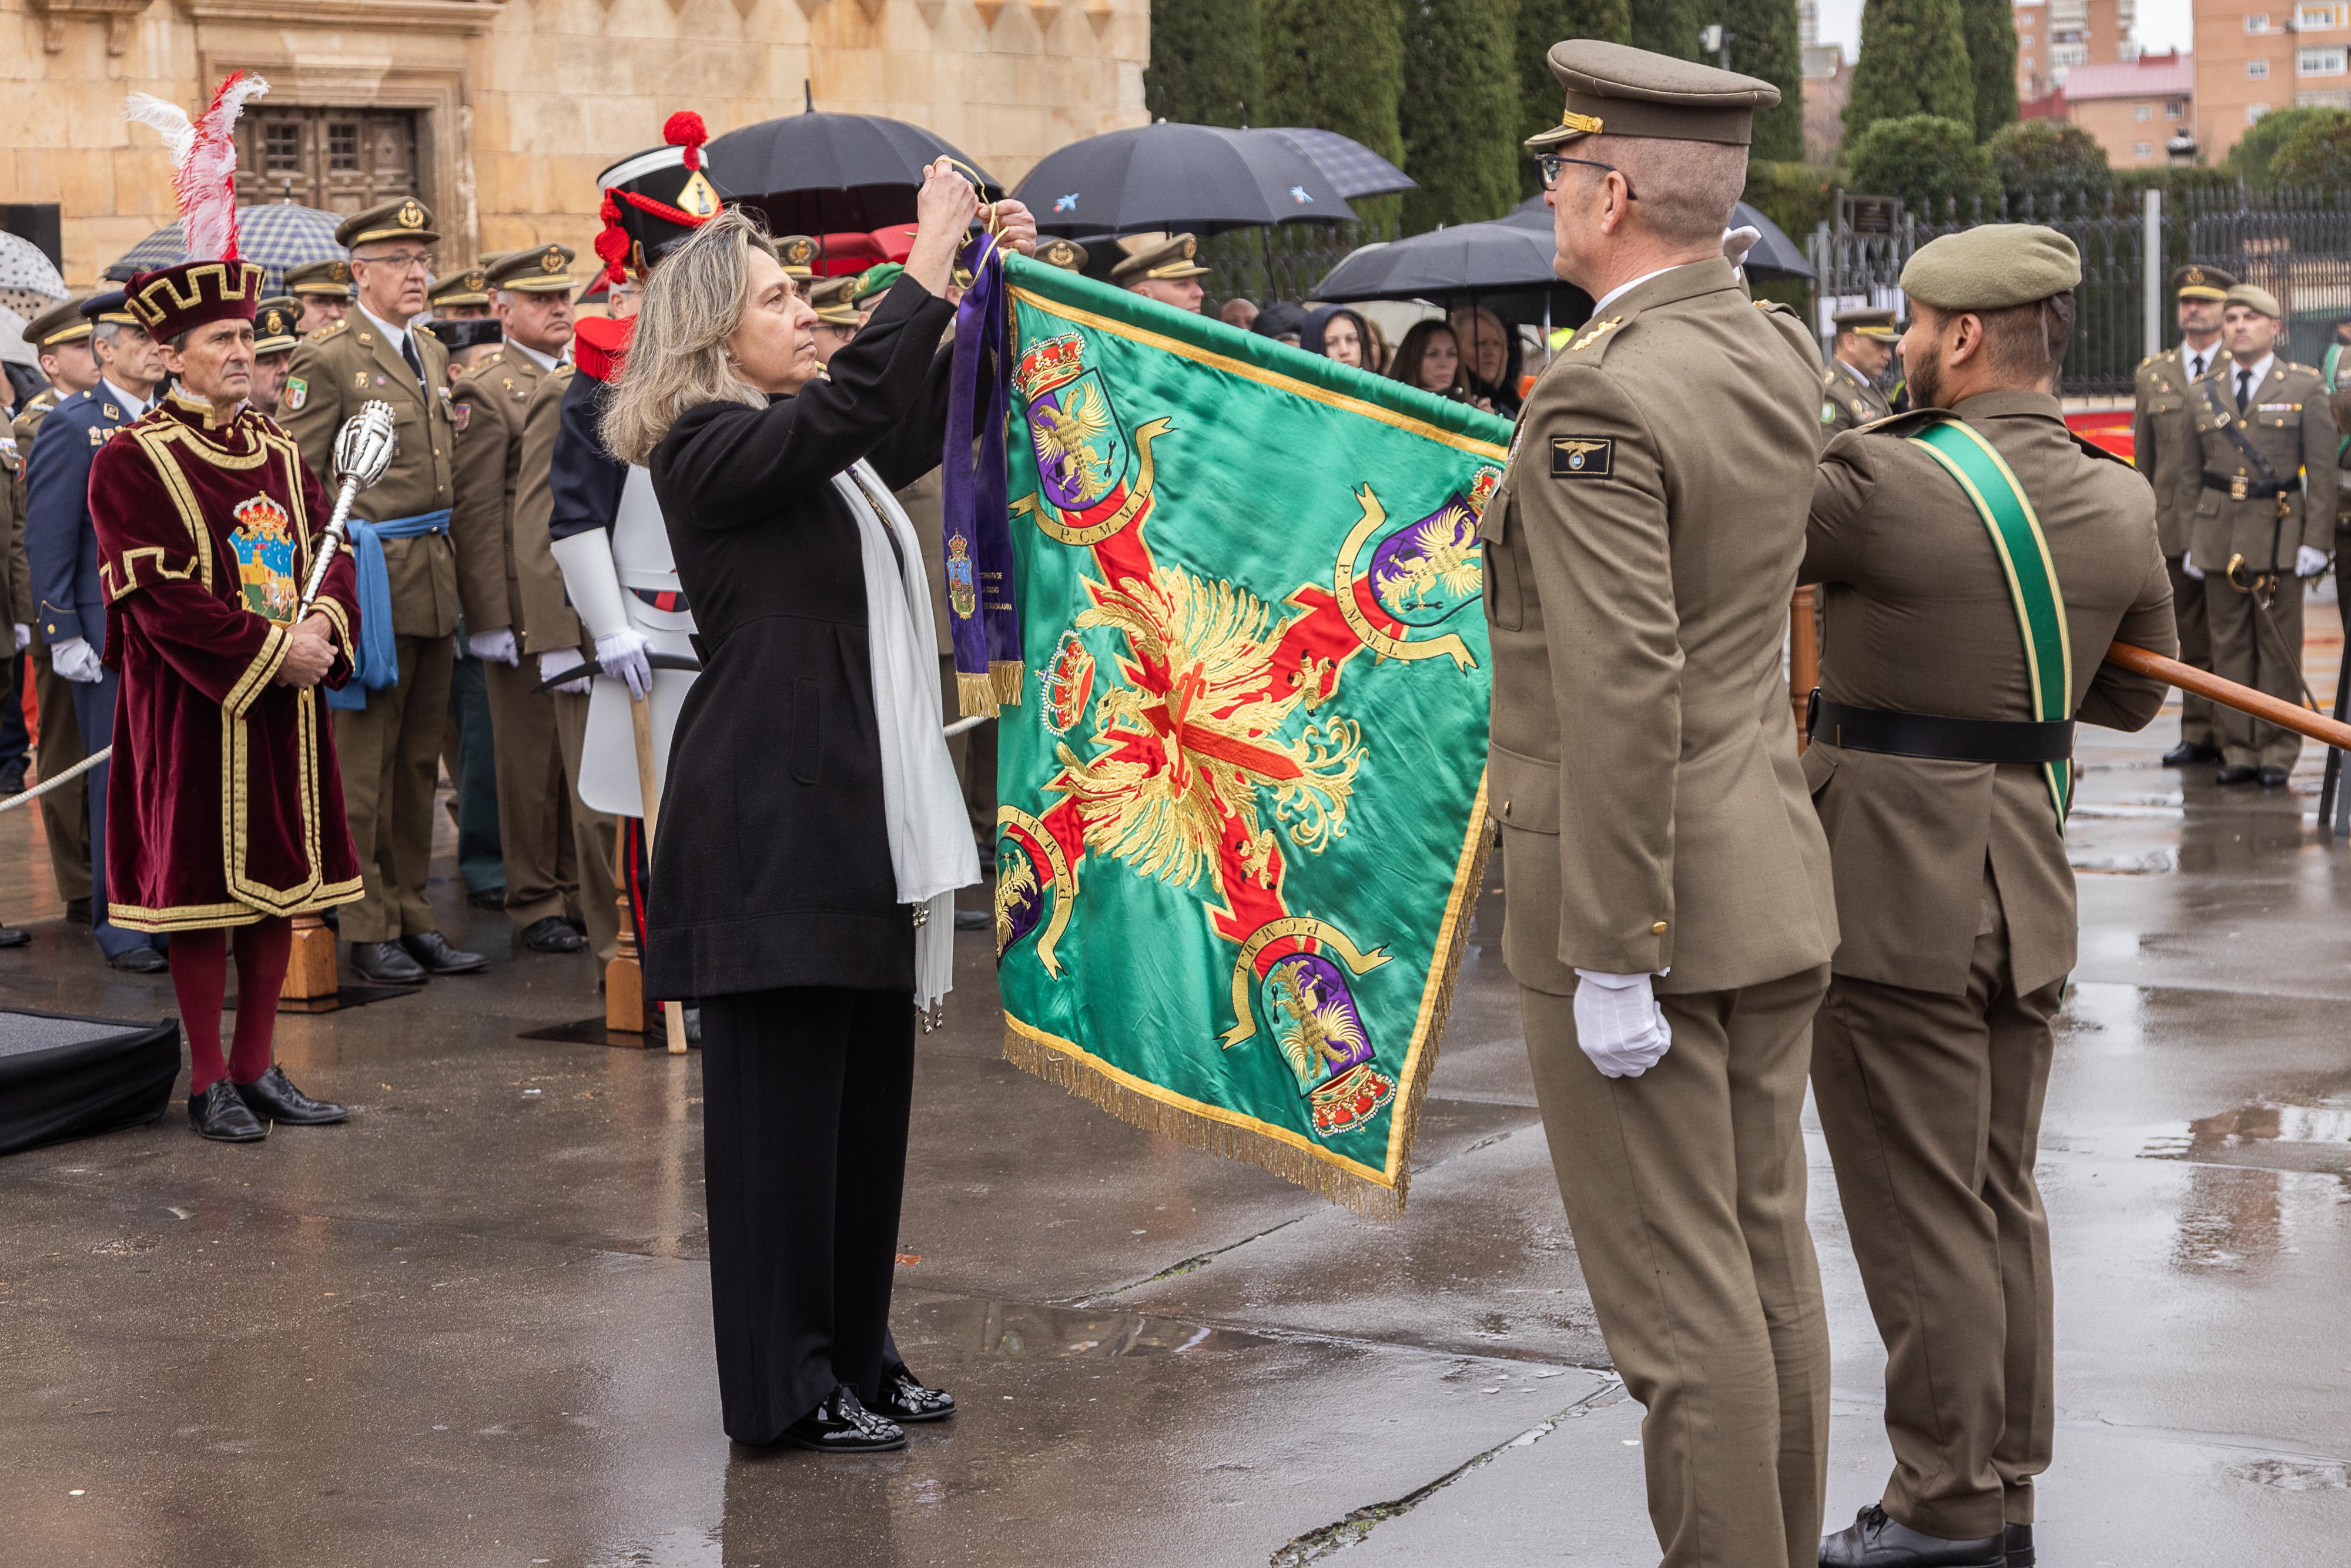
point(224, 804)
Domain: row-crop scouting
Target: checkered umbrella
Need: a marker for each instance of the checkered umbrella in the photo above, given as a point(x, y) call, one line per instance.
point(278, 235)
point(29, 284)
point(1353, 169)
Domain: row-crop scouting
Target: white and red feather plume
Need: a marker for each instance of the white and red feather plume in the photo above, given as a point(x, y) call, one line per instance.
point(204, 158)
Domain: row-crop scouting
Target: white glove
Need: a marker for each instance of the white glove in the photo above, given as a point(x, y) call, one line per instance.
point(2308, 561)
point(2188, 565)
point(1619, 1023)
point(494, 647)
point(24, 636)
point(553, 663)
point(621, 655)
point(77, 661)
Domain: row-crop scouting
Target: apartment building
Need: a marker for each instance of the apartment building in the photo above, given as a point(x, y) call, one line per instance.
point(2052, 36)
point(2142, 112)
point(2253, 55)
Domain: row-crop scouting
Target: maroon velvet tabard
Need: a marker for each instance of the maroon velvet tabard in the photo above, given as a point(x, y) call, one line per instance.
point(224, 804)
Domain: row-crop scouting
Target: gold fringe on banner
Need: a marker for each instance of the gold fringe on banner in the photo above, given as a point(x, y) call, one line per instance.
point(975, 695)
point(1290, 1155)
point(1007, 674)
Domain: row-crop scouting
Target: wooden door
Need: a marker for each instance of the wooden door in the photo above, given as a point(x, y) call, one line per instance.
point(340, 160)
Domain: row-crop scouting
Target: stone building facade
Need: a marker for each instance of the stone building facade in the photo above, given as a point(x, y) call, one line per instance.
point(499, 113)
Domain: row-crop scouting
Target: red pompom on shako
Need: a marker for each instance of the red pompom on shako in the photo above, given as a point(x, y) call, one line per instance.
point(684, 129)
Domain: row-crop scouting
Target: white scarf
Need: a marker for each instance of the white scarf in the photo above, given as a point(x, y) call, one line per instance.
point(930, 834)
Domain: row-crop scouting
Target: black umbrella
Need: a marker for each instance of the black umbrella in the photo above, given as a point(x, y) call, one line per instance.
point(1203, 179)
point(824, 173)
point(1776, 258)
point(1504, 267)
point(1353, 169)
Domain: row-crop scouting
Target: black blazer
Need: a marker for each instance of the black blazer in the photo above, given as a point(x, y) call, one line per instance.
point(771, 866)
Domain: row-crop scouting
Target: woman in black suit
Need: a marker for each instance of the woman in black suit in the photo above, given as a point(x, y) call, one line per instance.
point(811, 823)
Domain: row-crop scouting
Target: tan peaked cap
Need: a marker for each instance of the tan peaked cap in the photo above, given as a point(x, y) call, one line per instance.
point(2259, 298)
point(1624, 92)
point(1992, 266)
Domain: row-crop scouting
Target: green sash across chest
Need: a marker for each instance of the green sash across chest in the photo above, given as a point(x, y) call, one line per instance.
point(2033, 587)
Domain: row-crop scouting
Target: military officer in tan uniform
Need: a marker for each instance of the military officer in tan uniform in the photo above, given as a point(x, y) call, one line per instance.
point(1162, 267)
point(1940, 770)
point(1849, 393)
point(389, 743)
point(274, 338)
point(1669, 919)
point(2261, 509)
point(462, 296)
point(531, 293)
point(2164, 441)
point(324, 290)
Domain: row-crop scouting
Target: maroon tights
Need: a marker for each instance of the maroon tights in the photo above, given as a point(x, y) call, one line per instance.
point(199, 975)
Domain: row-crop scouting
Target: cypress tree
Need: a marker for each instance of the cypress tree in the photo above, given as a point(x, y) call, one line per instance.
point(1990, 28)
point(1541, 24)
point(1765, 42)
point(1205, 65)
point(1671, 26)
point(1460, 105)
point(1336, 65)
point(1914, 61)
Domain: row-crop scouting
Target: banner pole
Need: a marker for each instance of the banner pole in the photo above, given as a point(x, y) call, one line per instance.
point(2228, 693)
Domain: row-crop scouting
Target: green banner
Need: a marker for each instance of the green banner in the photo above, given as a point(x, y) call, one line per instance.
point(1242, 801)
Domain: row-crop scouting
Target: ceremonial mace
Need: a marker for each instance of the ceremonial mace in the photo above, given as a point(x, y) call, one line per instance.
point(363, 451)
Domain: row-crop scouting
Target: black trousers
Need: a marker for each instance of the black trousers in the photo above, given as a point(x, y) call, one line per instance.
point(805, 1099)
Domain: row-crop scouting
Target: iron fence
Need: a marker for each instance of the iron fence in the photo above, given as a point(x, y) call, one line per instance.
point(1283, 262)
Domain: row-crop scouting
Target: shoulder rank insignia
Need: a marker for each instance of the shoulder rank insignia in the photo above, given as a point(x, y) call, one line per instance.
point(332, 330)
point(1582, 456)
point(1596, 332)
point(298, 392)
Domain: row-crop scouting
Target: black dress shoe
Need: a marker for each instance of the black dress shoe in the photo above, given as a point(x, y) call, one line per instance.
point(2017, 1538)
point(693, 1027)
point(11, 937)
point(487, 898)
point(2188, 753)
point(219, 1115)
point(273, 1095)
point(841, 1425)
point(138, 961)
point(78, 911)
point(552, 934)
point(12, 782)
point(2237, 773)
point(432, 950)
point(973, 920)
point(2273, 777)
point(385, 963)
point(906, 1401)
point(1875, 1539)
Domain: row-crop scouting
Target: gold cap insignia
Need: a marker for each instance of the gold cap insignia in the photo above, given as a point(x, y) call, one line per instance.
point(552, 261)
point(340, 271)
point(411, 214)
point(1585, 125)
point(477, 280)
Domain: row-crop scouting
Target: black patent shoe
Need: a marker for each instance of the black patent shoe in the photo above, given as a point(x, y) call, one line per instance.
point(2017, 1541)
point(906, 1401)
point(2237, 773)
point(841, 1425)
point(432, 950)
point(1876, 1539)
point(2187, 754)
point(385, 964)
point(551, 934)
point(12, 937)
point(140, 960)
point(217, 1114)
point(274, 1097)
point(2273, 777)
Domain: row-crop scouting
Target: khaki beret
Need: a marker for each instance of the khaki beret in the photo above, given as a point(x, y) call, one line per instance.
point(1992, 266)
point(1066, 254)
point(1157, 256)
point(546, 269)
point(273, 325)
point(1625, 91)
point(330, 280)
point(2257, 298)
point(2196, 281)
point(406, 218)
point(835, 300)
point(1878, 324)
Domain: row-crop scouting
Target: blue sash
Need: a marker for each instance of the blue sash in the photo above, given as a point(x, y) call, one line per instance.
point(376, 663)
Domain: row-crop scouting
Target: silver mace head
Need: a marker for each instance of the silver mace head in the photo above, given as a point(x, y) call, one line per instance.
point(363, 447)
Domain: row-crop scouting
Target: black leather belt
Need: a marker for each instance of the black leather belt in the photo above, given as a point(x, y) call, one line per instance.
point(2239, 488)
point(1930, 735)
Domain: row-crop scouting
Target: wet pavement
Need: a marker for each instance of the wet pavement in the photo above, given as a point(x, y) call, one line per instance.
point(471, 1327)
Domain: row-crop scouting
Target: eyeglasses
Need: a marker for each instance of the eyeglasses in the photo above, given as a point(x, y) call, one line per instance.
point(411, 261)
point(1550, 163)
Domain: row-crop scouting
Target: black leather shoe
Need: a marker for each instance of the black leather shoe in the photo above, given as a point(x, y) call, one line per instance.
point(12, 782)
point(973, 920)
point(432, 950)
point(2237, 773)
point(217, 1114)
point(78, 911)
point(906, 1401)
point(486, 897)
point(841, 1425)
point(274, 1097)
point(2273, 777)
point(551, 934)
point(138, 961)
point(1874, 1540)
point(11, 937)
point(2188, 753)
point(2017, 1538)
point(693, 1021)
point(386, 964)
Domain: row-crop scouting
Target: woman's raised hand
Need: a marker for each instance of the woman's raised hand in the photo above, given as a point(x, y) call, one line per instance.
point(942, 212)
point(1017, 226)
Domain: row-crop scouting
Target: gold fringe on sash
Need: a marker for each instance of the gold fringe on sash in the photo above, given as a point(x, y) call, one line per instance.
point(1006, 676)
point(975, 695)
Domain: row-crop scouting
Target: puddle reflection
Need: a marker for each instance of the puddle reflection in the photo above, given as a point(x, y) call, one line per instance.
point(1020, 1328)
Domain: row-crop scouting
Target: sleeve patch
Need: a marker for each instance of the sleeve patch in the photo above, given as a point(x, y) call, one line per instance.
point(298, 392)
point(460, 412)
point(1582, 456)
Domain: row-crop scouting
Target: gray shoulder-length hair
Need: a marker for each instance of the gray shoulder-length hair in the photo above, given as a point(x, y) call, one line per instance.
point(677, 355)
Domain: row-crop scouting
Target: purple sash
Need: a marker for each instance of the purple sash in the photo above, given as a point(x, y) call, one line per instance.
point(977, 531)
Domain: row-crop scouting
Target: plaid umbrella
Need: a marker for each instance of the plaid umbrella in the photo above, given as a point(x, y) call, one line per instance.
point(278, 235)
point(29, 284)
point(1353, 169)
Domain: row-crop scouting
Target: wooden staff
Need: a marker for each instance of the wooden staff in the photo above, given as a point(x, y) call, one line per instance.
point(2244, 699)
